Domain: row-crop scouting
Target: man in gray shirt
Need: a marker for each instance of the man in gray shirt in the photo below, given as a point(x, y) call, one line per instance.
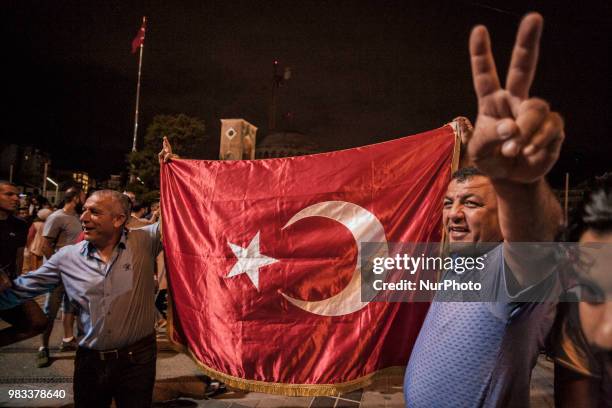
point(109, 278)
point(61, 228)
point(480, 353)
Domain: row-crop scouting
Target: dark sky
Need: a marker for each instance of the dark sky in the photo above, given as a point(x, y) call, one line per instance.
point(362, 72)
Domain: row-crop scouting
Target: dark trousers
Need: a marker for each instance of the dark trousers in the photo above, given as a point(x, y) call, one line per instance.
point(128, 376)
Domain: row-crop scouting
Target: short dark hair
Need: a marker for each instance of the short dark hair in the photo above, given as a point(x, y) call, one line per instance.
point(137, 206)
point(6, 182)
point(70, 194)
point(466, 173)
point(594, 211)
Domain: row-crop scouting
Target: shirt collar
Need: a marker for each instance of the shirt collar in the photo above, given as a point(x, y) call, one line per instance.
point(89, 249)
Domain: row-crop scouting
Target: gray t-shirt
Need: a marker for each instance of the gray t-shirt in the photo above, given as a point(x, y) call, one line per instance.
point(62, 228)
point(480, 353)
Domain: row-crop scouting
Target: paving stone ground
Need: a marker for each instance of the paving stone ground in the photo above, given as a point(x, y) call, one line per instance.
point(179, 383)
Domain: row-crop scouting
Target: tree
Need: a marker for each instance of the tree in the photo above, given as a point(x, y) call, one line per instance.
point(185, 133)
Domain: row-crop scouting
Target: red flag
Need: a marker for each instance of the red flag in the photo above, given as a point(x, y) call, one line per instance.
point(140, 36)
point(262, 256)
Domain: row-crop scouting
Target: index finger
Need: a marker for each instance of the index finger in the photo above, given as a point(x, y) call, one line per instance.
point(484, 74)
point(525, 56)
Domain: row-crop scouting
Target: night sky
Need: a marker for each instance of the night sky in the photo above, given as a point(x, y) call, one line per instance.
point(362, 72)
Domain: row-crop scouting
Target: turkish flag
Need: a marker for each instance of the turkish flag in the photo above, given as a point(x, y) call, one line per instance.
point(140, 36)
point(263, 261)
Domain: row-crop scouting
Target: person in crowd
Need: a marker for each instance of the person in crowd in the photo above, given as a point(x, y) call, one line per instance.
point(139, 209)
point(26, 320)
point(33, 206)
point(36, 241)
point(24, 214)
point(109, 278)
point(153, 210)
point(481, 353)
point(137, 219)
point(36, 202)
point(581, 341)
point(61, 228)
point(44, 203)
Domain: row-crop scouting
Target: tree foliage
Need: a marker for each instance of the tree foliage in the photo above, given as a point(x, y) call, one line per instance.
point(186, 135)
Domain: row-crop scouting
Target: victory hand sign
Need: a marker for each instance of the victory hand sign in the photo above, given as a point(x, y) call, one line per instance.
point(517, 138)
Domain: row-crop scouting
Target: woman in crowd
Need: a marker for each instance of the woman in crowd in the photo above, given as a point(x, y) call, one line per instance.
point(36, 240)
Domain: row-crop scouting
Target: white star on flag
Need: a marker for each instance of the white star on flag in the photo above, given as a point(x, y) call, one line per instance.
point(249, 260)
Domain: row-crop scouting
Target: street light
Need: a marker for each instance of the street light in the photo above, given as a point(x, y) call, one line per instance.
point(56, 189)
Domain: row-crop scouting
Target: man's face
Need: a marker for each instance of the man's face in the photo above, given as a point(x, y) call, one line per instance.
point(9, 198)
point(470, 211)
point(102, 219)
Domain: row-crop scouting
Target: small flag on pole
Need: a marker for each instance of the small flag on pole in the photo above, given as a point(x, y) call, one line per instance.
point(140, 36)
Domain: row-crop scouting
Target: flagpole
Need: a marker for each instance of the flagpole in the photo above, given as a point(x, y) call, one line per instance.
point(144, 19)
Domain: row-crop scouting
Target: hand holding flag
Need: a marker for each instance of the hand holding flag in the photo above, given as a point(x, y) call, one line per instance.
point(516, 137)
point(165, 155)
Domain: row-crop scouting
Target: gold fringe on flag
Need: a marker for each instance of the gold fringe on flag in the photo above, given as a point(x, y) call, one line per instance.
point(289, 390)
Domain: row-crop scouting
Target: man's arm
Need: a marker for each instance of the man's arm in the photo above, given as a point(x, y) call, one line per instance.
point(154, 233)
point(527, 212)
point(51, 230)
point(32, 284)
point(516, 141)
point(47, 247)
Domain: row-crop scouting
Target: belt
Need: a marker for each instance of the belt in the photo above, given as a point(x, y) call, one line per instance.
point(124, 353)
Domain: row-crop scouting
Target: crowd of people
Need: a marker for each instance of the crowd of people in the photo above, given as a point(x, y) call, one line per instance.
point(468, 354)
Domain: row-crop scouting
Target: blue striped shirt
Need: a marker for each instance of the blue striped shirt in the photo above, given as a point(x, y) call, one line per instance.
point(115, 300)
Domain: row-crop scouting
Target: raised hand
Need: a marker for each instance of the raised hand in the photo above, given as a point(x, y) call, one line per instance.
point(516, 138)
point(165, 155)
